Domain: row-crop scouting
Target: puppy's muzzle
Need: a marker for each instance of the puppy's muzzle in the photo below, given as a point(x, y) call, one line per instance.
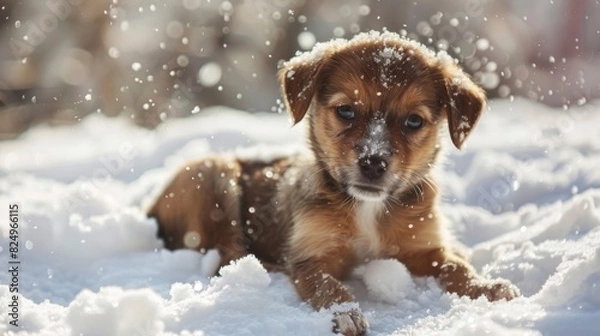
point(373, 167)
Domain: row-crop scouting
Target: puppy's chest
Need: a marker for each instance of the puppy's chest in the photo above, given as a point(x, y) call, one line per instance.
point(367, 242)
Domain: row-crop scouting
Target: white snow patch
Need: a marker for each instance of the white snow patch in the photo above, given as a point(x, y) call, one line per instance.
point(246, 271)
point(113, 311)
point(388, 280)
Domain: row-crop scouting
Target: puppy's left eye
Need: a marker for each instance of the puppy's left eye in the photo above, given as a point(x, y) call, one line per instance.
point(413, 122)
point(345, 112)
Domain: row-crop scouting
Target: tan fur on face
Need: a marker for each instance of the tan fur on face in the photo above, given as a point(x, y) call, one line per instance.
point(302, 214)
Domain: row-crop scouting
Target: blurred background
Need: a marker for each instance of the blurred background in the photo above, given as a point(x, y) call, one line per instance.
point(152, 60)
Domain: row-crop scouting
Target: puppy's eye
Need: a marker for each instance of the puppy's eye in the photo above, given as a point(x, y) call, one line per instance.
point(345, 112)
point(413, 122)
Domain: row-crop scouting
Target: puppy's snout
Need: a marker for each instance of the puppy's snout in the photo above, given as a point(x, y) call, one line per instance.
point(373, 167)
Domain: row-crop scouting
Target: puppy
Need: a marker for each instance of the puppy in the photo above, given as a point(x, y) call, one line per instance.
point(375, 105)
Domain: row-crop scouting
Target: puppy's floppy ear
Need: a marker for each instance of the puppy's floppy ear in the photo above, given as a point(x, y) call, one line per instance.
point(465, 104)
point(298, 80)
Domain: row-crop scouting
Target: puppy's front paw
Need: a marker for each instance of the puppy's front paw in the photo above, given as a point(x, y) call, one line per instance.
point(493, 290)
point(350, 323)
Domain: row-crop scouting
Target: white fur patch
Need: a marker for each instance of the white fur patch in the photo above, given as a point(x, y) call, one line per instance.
point(366, 197)
point(367, 242)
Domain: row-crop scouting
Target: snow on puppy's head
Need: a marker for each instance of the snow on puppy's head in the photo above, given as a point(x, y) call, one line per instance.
point(385, 62)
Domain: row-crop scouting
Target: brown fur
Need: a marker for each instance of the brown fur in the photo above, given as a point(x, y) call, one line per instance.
point(300, 215)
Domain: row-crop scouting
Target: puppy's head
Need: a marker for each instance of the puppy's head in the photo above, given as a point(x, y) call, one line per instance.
point(375, 104)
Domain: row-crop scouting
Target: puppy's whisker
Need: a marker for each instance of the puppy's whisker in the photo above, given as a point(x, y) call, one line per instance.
point(432, 184)
point(388, 203)
point(417, 177)
point(347, 201)
point(317, 171)
point(418, 191)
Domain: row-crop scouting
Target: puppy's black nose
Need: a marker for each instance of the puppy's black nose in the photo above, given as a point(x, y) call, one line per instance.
point(373, 167)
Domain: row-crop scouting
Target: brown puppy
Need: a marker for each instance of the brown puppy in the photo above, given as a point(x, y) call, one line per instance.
point(375, 105)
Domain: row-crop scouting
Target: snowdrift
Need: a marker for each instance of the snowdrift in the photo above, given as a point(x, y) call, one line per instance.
point(524, 196)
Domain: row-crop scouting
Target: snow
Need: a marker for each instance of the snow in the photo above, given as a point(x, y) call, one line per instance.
point(400, 44)
point(388, 280)
point(385, 58)
point(210, 74)
point(523, 196)
point(322, 49)
point(376, 142)
point(306, 40)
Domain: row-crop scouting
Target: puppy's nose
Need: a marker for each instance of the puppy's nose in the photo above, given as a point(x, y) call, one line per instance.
point(373, 167)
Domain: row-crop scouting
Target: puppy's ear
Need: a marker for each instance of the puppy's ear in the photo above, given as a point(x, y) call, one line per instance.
point(298, 80)
point(465, 104)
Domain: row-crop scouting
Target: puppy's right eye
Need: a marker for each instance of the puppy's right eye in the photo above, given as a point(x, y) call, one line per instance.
point(345, 112)
point(413, 122)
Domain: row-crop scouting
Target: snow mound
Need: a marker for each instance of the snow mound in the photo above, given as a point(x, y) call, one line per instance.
point(113, 311)
point(388, 280)
point(247, 271)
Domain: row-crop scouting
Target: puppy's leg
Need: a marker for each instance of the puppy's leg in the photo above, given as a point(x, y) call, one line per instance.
point(200, 209)
point(316, 281)
point(456, 275)
point(319, 257)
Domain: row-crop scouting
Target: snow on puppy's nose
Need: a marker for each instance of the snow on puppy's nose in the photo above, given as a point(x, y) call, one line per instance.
point(376, 141)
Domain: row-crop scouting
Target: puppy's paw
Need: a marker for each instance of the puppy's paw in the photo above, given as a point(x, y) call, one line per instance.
point(493, 290)
point(350, 323)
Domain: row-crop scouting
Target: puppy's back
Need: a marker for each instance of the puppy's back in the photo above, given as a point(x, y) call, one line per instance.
point(228, 204)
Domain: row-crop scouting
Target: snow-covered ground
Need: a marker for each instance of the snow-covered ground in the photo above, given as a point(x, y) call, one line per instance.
point(524, 196)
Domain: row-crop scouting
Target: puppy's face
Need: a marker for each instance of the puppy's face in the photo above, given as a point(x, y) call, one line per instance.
point(376, 103)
